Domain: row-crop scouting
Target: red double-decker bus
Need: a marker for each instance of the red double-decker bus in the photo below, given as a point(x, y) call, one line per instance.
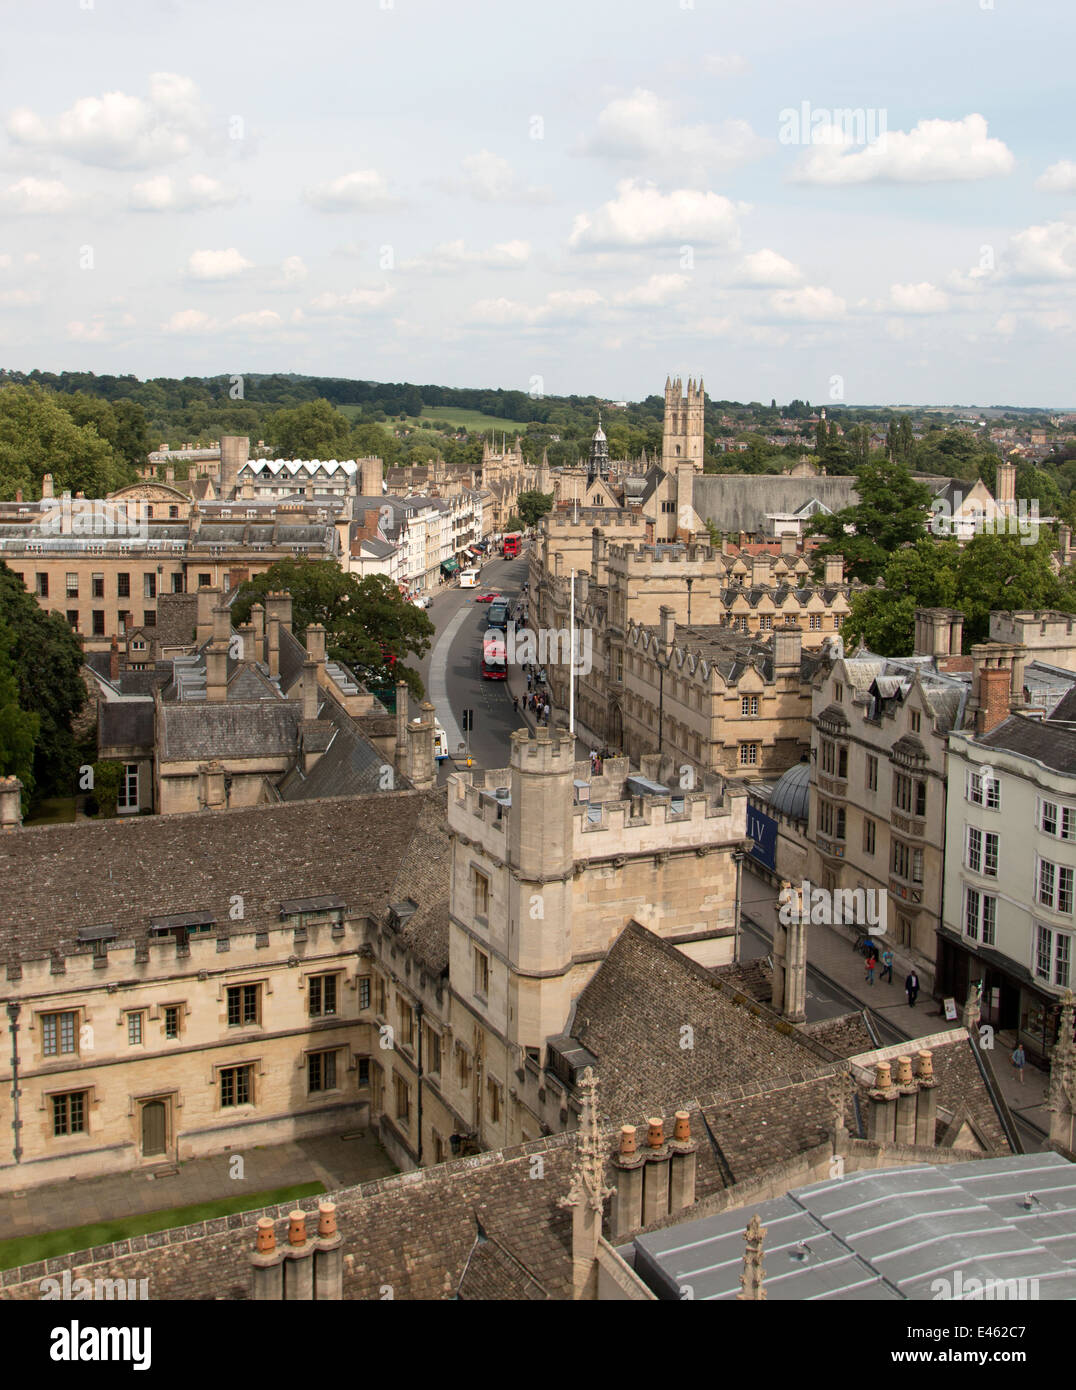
point(510, 545)
point(494, 656)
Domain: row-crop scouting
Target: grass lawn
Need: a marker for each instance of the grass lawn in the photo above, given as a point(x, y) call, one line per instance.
point(459, 419)
point(54, 810)
point(22, 1250)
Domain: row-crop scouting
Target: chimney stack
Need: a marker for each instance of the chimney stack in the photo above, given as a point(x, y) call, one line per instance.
point(939, 632)
point(833, 570)
point(1005, 486)
point(208, 600)
point(991, 683)
point(257, 622)
point(1064, 543)
point(234, 453)
point(668, 629)
point(114, 659)
point(310, 689)
point(883, 1106)
point(46, 487)
point(787, 651)
point(926, 1110)
point(761, 571)
point(10, 804)
point(907, 1091)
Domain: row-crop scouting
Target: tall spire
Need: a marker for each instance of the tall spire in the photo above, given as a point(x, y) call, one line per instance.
point(588, 1176)
point(753, 1268)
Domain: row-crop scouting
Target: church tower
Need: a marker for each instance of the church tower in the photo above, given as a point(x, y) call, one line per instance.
point(684, 435)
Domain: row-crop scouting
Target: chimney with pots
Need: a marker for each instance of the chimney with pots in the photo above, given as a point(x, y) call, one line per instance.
point(907, 1091)
point(926, 1110)
point(882, 1124)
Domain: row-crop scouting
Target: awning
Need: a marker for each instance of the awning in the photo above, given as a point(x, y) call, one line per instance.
point(448, 566)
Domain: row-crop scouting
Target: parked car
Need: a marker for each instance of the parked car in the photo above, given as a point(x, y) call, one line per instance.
point(485, 598)
point(424, 602)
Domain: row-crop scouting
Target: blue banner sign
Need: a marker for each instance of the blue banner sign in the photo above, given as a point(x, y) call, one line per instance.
point(762, 832)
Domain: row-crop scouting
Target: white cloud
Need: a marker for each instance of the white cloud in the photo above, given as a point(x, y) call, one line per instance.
point(726, 64)
point(354, 301)
point(642, 216)
point(118, 131)
point(659, 289)
point(453, 255)
point(562, 306)
point(164, 194)
point(261, 319)
point(1042, 253)
point(923, 298)
point(1058, 178)
point(363, 190)
point(217, 265)
point(934, 151)
point(642, 129)
point(767, 269)
point(491, 179)
point(44, 196)
point(20, 299)
point(811, 304)
point(293, 272)
point(190, 321)
point(94, 332)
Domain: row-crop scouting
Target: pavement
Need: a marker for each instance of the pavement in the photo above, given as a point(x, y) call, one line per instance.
point(831, 955)
point(327, 1159)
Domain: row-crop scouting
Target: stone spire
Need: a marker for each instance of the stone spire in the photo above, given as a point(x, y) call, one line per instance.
point(753, 1268)
point(587, 1194)
point(1061, 1098)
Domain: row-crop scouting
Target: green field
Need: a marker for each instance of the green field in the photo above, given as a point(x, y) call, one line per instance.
point(472, 420)
point(22, 1250)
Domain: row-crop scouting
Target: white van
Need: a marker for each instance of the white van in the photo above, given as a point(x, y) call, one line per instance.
point(469, 579)
point(440, 742)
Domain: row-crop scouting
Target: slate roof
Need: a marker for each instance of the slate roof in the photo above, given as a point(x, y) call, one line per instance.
point(630, 1017)
point(125, 724)
point(349, 766)
point(203, 729)
point(59, 878)
point(1066, 708)
point(1047, 742)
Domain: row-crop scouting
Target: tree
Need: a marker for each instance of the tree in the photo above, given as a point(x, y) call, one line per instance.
point(37, 437)
point(533, 505)
point(369, 626)
point(991, 572)
point(47, 660)
point(18, 727)
point(106, 787)
point(315, 429)
point(891, 512)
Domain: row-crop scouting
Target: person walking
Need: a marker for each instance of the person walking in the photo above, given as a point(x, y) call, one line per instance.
point(911, 988)
point(546, 711)
point(872, 961)
point(1019, 1061)
point(515, 704)
point(887, 965)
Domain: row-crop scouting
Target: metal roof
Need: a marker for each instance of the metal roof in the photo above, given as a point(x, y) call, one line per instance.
point(915, 1233)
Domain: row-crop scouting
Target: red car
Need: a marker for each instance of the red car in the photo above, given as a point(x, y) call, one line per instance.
point(485, 598)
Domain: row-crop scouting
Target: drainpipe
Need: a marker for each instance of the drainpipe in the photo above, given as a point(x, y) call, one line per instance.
point(16, 1124)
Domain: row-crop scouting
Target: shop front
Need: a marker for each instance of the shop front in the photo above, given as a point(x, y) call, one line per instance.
point(1011, 1001)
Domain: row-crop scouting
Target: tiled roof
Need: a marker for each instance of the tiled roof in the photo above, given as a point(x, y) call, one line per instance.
point(125, 724)
point(200, 730)
point(351, 765)
point(631, 1014)
point(1052, 744)
point(59, 878)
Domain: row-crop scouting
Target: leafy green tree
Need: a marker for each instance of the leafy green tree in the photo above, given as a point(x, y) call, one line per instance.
point(891, 512)
point(951, 453)
point(366, 621)
point(315, 429)
point(18, 727)
point(533, 505)
point(47, 660)
point(106, 787)
point(37, 436)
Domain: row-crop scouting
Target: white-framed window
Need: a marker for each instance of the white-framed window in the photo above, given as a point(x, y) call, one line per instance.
point(1057, 820)
point(1053, 955)
point(1054, 885)
point(749, 704)
point(980, 916)
point(749, 754)
point(982, 852)
point(815, 622)
point(127, 798)
point(983, 792)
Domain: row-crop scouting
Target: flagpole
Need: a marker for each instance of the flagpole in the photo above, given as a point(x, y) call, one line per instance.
point(571, 661)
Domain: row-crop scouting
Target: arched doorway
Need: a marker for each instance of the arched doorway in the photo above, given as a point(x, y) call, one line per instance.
point(154, 1128)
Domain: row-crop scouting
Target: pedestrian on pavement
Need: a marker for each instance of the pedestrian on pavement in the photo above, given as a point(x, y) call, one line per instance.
point(887, 965)
point(911, 989)
point(1019, 1061)
point(545, 711)
point(530, 680)
point(515, 704)
point(872, 961)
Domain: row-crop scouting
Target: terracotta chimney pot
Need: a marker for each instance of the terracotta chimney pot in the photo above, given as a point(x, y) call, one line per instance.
point(297, 1228)
point(266, 1235)
point(655, 1134)
point(327, 1219)
point(683, 1126)
point(627, 1140)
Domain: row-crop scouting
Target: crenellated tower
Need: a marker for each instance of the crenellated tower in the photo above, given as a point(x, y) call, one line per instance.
point(685, 431)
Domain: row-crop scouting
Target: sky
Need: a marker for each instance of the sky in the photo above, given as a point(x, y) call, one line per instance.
point(854, 201)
